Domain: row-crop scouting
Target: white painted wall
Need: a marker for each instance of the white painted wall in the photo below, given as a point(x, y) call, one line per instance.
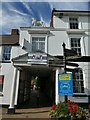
point(64, 22)
point(24, 35)
point(55, 42)
point(84, 21)
point(16, 51)
point(60, 22)
point(6, 70)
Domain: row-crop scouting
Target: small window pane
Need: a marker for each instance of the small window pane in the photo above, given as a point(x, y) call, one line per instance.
point(42, 46)
point(42, 39)
point(34, 47)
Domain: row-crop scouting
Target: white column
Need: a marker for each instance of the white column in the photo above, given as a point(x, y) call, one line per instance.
point(46, 46)
point(56, 86)
point(11, 108)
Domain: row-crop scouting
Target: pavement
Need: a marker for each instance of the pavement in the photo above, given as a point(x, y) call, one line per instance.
point(36, 108)
point(32, 113)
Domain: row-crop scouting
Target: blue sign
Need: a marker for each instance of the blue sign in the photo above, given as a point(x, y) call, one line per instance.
point(65, 85)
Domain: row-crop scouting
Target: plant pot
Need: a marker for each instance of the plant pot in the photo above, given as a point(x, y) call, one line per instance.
point(65, 119)
point(55, 118)
point(60, 118)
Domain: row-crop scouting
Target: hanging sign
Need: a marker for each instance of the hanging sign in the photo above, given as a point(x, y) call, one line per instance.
point(65, 85)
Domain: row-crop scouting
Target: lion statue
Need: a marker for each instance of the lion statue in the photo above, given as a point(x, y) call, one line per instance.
point(37, 23)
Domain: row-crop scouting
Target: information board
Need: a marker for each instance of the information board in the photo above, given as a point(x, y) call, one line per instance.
point(65, 85)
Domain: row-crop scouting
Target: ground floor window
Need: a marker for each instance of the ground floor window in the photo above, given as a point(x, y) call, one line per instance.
point(78, 83)
point(1, 82)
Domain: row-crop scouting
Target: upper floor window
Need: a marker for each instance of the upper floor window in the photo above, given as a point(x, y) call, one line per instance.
point(75, 45)
point(1, 82)
point(73, 22)
point(38, 43)
point(6, 52)
point(78, 85)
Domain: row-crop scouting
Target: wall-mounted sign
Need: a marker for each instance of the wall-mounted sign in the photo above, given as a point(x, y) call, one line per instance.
point(37, 58)
point(65, 85)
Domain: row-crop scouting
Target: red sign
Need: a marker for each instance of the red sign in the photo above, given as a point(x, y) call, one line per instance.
point(1, 79)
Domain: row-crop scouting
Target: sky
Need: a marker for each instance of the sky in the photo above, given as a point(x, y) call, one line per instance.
point(19, 13)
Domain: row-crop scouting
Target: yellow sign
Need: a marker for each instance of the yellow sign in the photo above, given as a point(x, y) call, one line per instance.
point(64, 77)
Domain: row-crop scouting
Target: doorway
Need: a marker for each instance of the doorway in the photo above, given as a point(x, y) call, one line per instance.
point(37, 87)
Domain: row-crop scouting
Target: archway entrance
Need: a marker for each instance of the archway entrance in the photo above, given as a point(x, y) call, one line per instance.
point(37, 86)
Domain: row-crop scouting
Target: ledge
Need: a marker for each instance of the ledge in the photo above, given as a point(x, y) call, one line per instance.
point(75, 31)
point(5, 61)
point(80, 95)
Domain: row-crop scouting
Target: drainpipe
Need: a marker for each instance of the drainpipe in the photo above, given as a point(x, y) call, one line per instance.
point(11, 109)
point(56, 86)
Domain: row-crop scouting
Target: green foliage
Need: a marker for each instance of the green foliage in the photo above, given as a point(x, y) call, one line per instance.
point(67, 110)
point(37, 82)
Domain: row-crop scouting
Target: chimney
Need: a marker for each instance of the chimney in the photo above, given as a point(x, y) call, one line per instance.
point(51, 21)
point(14, 32)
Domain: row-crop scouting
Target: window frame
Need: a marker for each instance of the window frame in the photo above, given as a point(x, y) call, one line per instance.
point(72, 23)
point(80, 82)
point(40, 36)
point(77, 48)
point(6, 52)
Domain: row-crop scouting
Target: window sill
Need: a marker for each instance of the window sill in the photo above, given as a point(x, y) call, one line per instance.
point(6, 61)
point(80, 95)
point(75, 31)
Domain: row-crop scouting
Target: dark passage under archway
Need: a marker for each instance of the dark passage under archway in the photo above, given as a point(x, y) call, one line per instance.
point(41, 96)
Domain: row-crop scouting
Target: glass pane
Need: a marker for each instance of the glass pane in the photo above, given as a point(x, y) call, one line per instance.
point(42, 39)
point(82, 83)
point(82, 90)
point(1, 87)
point(34, 39)
point(42, 46)
point(81, 76)
point(76, 25)
point(34, 47)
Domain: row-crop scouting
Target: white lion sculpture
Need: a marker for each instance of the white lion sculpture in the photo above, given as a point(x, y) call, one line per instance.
point(37, 23)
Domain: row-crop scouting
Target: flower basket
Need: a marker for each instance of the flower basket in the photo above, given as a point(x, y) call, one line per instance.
point(67, 111)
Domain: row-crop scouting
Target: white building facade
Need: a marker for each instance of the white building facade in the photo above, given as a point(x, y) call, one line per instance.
point(37, 47)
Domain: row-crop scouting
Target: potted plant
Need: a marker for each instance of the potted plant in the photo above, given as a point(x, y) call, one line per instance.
point(67, 111)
